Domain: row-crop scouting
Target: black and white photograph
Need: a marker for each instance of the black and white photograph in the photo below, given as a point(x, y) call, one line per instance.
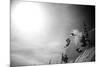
point(43, 33)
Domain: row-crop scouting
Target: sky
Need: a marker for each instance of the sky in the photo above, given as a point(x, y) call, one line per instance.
point(39, 30)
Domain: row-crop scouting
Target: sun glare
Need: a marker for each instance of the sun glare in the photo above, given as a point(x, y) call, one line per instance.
point(28, 17)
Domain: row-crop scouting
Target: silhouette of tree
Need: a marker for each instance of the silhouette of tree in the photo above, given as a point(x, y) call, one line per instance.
point(64, 58)
point(85, 39)
point(50, 61)
point(68, 42)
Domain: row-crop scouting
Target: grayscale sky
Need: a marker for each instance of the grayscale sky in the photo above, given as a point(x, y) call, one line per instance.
point(39, 30)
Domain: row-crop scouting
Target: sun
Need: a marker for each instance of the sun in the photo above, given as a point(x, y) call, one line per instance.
point(28, 17)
